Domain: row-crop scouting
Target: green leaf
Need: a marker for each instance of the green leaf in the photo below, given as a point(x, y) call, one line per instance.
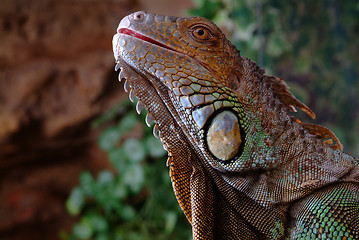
point(120, 191)
point(87, 183)
point(98, 222)
point(75, 201)
point(171, 220)
point(118, 158)
point(109, 138)
point(101, 237)
point(207, 8)
point(155, 147)
point(105, 178)
point(127, 212)
point(134, 178)
point(83, 229)
point(134, 150)
point(127, 123)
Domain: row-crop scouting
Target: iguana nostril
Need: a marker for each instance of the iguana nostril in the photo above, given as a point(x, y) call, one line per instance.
point(139, 16)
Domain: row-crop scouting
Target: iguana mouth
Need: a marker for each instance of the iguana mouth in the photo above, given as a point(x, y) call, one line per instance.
point(132, 33)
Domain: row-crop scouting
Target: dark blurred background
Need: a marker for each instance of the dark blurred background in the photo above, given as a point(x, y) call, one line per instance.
point(76, 162)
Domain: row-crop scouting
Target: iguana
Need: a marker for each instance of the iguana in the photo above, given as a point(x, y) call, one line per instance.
point(241, 166)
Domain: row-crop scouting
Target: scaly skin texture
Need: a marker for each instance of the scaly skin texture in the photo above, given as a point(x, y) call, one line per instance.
point(241, 166)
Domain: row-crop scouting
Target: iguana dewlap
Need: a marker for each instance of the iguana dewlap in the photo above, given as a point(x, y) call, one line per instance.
point(241, 166)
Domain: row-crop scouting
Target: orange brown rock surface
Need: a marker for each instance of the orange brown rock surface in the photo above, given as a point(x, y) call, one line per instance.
point(56, 75)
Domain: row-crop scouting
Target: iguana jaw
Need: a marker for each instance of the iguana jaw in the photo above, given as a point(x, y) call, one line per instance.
point(152, 94)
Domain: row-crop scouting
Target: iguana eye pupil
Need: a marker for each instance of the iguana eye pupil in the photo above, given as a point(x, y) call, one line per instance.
point(224, 136)
point(200, 32)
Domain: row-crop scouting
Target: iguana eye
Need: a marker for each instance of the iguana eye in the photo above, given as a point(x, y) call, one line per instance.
point(224, 136)
point(201, 33)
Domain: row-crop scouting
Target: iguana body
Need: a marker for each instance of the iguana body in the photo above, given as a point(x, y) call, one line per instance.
point(241, 166)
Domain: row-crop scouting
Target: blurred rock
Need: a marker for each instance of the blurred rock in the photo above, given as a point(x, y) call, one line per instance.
point(56, 75)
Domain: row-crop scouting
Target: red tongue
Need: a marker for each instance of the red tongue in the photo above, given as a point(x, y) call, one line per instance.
point(142, 37)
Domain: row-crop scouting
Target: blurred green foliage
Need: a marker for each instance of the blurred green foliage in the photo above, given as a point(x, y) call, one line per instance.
point(313, 45)
point(136, 201)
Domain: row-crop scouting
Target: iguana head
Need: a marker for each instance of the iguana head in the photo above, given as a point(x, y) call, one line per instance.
point(188, 62)
point(221, 101)
point(216, 112)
